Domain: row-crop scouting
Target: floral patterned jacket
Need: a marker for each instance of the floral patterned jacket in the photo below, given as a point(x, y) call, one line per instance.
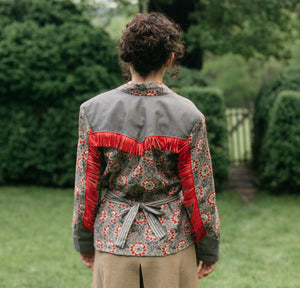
point(144, 182)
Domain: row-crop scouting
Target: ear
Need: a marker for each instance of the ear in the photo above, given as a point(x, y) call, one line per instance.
point(170, 60)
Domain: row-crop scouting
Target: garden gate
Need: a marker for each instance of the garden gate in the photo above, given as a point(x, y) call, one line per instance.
point(240, 132)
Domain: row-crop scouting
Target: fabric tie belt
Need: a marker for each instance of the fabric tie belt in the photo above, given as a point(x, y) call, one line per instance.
point(150, 209)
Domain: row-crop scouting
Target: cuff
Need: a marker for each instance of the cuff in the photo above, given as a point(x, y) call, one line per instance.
point(207, 250)
point(83, 241)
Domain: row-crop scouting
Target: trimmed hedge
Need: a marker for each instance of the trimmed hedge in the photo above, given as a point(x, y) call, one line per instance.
point(210, 102)
point(287, 80)
point(281, 174)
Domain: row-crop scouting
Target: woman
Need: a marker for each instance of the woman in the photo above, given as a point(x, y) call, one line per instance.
point(145, 149)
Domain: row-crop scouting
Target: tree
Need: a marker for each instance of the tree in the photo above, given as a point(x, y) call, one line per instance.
point(250, 29)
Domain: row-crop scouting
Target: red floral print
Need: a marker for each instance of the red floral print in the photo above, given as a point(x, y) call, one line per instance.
point(150, 235)
point(138, 249)
point(74, 218)
point(84, 155)
point(76, 191)
point(137, 171)
point(211, 199)
point(150, 93)
point(99, 244)
point(122, 180)
point(171, 192)
point(187, 228)
point(118, 230)
point(105, 231)
point(110, 246)
point(80, 208)
point(217, 224)
point(83, 183)
point(181, 245)
point(115, 216)
point(149, 185)
point(195, 165)
point(161, 219)
point(165, 249)
point(102, 216)
point(176, 217)
point(80, 163)
point(199, 192)
point(140, 218)
point(81, 136)
point(136, 92)
point(89, 130)
point(207, 153)
point(148, 156)
point(205, 218)
point(199, 145)
point(170, 234)
point(162, 159)
point(205, 171)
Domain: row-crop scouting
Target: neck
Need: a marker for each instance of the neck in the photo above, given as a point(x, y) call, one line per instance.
point(151, 77)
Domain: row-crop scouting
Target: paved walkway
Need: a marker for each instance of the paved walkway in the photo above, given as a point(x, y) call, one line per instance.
point(242, 182)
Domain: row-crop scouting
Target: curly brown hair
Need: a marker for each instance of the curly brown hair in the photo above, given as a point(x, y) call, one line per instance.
point(148, 41)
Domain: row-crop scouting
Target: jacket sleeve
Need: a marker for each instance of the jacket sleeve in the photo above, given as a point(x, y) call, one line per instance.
point(207, 249)
point(82, 237)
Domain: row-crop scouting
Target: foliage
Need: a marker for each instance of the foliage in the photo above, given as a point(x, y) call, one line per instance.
point(49, 64)
point(187, 78)
point(210, 102)
point(287, 80)
point(281, 173)
point(233, 26)
point(239, 79)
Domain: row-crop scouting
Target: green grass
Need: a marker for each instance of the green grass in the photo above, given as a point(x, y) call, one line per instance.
point(260, 242)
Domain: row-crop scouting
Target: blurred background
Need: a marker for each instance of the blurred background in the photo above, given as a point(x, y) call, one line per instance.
point(242, 70)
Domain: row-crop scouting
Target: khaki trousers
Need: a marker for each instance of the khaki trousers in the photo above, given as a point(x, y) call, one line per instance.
point(173, 271)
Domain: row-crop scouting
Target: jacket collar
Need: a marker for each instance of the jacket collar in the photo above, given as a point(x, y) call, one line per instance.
point(145, 89)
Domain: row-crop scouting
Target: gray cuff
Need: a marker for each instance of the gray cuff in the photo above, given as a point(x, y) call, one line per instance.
point(83, 241)
point(207, 250)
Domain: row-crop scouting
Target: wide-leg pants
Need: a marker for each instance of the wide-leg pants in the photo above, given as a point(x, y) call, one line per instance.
point(173, 271)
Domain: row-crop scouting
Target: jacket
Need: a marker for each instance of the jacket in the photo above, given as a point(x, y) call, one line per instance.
point(144, 180)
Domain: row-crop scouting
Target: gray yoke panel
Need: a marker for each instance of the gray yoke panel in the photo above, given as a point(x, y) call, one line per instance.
point(139, 117)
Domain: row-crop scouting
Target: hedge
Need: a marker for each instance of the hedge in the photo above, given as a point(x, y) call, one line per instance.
point(287, 80)
point(50, 62)
point(281, 174)
point(210, 102)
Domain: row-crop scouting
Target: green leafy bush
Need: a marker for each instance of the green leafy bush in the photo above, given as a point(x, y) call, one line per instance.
point(210, 102)
point(281, 173)
point(187, 78)
point(51, 60)
point(287, 80)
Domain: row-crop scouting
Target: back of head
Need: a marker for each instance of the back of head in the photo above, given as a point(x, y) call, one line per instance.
point(148, 42)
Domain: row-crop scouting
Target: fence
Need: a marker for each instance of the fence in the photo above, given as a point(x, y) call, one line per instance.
point(239, 124)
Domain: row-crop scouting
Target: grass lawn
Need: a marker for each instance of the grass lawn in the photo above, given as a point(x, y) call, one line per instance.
point(260, 244)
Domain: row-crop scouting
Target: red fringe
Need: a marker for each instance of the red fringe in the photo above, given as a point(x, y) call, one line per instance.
point(126, 144)
point(189, 195)
point(92, 179)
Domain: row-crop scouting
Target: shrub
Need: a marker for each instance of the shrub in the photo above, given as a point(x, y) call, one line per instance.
point(187, 78)
point(50, 62)
point(287, 80)
point(281, 173)
point(210, 102)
